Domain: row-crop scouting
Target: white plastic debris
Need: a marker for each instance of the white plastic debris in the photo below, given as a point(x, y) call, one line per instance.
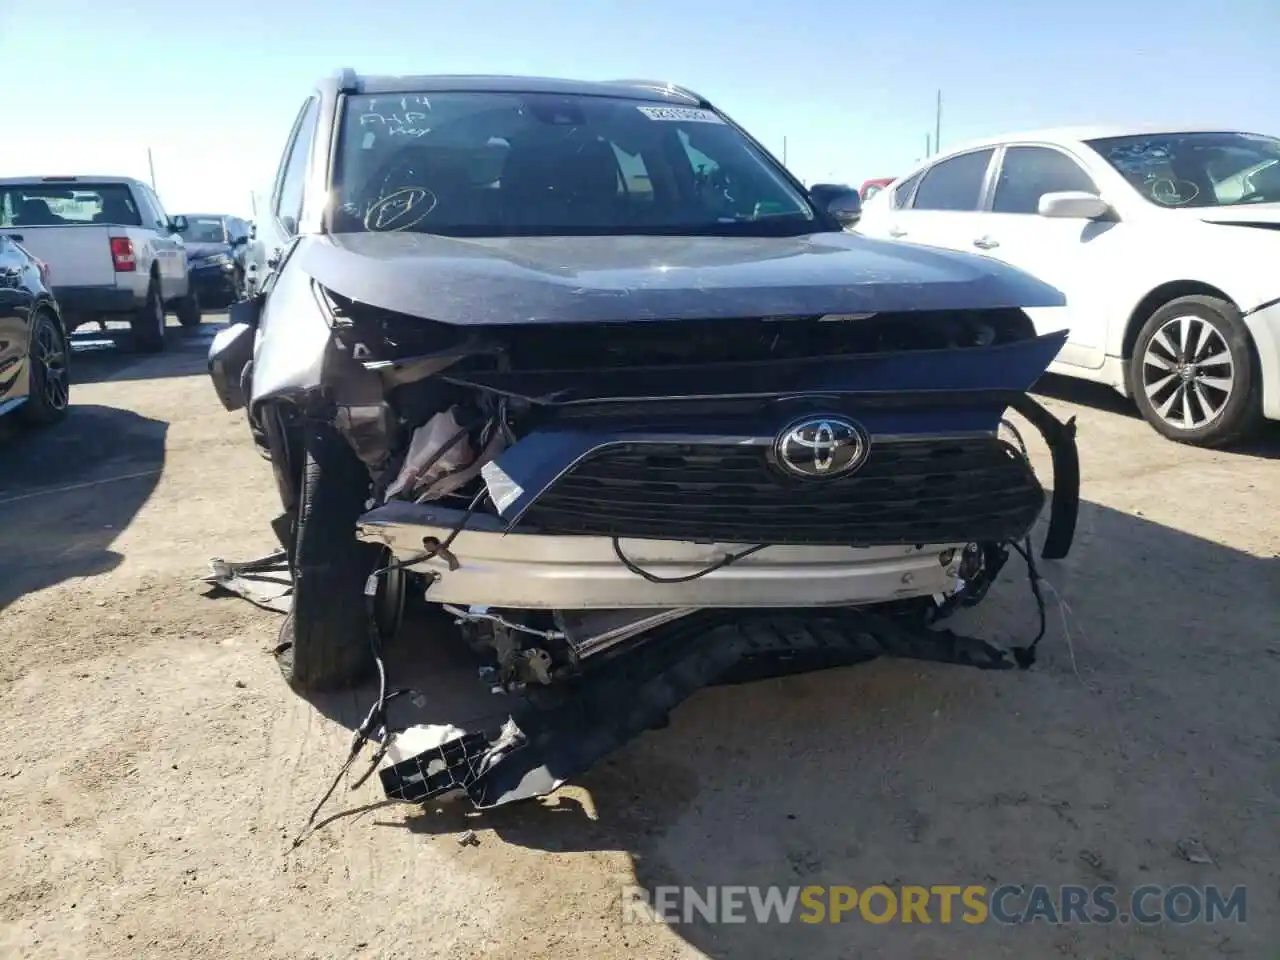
point(425, 462)
point(413, 741)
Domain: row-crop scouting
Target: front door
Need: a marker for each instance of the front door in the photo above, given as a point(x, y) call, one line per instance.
point(1074, 255)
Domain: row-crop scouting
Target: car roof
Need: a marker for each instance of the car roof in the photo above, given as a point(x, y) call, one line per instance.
point(656, 91)
point(1077, 134)
point(53, 180)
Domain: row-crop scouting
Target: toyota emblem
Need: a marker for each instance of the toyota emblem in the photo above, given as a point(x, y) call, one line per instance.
point(817, 448)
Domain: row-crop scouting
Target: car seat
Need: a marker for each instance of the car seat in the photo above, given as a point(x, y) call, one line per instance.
point(35, 212)
point(560, 178)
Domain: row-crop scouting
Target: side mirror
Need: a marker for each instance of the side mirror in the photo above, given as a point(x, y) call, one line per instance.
point(1073, 205)
point(177, 224)
point(846, 207)
point(239, 241)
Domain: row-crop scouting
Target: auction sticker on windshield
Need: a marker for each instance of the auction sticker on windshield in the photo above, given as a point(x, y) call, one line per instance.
point(681, 114)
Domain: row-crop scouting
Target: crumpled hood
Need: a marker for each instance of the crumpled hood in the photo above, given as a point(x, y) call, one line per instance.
point(523, 280)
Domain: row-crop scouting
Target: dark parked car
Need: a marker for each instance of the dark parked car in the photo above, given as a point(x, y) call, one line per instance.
point(216, 245)
point(35, 380)
point(585, 368)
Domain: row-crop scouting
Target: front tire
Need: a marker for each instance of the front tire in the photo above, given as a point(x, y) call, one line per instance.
point(1194, 373)
point(50, 378)
point(325, 639)
point(148, 323)
point(188, 310)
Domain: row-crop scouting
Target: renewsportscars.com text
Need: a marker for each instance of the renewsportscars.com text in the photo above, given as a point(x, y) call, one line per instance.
point(939, 904)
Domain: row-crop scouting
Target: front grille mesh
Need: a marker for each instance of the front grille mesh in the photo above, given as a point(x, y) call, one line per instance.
point(909, 492)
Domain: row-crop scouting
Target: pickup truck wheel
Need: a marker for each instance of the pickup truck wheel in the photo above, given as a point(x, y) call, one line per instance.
point(148, 323)
point(324, 643)
point(189, 309)
point(1194, 373)
point(50, 383)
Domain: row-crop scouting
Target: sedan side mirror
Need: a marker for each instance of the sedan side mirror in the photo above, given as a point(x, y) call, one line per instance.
point(1073, 205)
point(177, 224)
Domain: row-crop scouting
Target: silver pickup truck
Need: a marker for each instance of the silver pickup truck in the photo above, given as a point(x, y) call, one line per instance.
point(113, 252)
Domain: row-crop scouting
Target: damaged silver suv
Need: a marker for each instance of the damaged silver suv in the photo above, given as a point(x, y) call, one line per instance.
point(585, 367)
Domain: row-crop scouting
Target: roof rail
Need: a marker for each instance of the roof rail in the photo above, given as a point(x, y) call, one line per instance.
point(347, 82)
point(663, 85)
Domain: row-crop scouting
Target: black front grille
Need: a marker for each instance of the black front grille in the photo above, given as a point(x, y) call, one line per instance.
point(913, 492)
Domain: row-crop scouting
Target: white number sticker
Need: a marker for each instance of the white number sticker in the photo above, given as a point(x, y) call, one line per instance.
point(680, 114)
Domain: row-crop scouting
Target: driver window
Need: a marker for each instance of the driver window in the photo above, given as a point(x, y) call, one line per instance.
point(1028, 173)
point(288, 205)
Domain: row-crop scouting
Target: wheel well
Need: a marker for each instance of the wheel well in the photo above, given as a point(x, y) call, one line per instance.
point(1156, 299)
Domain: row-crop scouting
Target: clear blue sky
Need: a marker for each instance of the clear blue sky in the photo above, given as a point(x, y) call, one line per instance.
point(213, 87)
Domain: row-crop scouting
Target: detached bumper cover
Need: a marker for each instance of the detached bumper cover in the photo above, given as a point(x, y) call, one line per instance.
point(536, 751)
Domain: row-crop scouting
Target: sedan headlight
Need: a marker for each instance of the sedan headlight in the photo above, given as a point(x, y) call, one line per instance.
point(215, 260)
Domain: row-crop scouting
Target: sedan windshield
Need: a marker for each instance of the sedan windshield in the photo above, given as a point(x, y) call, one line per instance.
point(511, 164)
point(1197, 169)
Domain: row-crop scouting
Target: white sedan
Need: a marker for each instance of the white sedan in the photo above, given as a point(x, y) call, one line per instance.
point(1165, 243)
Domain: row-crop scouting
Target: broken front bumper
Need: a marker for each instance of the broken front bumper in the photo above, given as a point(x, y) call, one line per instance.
point(486, 567)
point(632, 687)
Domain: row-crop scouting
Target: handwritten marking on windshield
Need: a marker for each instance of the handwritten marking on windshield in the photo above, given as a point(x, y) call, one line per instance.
point(405, 208)
point(397, 124)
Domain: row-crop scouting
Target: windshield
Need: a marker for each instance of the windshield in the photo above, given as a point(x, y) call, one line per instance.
point(204, 230)
point(1197, 169)
point(504, 164)
point(46, 205)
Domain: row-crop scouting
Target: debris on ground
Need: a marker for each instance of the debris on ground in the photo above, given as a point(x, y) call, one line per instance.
point(1193, 851)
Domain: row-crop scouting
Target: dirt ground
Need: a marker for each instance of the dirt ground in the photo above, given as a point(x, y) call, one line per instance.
point(154, 767)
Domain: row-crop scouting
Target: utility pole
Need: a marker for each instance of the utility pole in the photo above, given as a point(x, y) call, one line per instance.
point(152, 164)
point(784, 151)
point(927, 143)
point(937, 124)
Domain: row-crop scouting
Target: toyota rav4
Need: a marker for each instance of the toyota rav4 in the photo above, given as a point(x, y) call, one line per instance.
point(586, 368)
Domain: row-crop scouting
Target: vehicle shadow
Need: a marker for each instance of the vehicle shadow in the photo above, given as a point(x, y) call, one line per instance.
point(1266, 445)
point(901, 772)
point(68, 490)
point(99, 355)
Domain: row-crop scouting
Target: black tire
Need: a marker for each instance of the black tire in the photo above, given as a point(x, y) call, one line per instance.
point(324, 642)
point(50, 373)
point(188, 308)
point(1168, 385)
point(149, 322)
